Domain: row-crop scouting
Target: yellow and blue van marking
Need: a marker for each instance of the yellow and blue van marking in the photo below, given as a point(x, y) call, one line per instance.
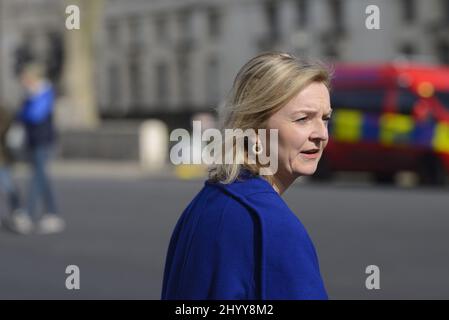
point(389, 129)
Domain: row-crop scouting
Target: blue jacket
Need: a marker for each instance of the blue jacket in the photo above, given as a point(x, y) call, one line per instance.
point(37, 116)
point(241, 241)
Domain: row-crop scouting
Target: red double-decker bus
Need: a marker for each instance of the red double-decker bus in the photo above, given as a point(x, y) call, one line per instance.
point(389, 118)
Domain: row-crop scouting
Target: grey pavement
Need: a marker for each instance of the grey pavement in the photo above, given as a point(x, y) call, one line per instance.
point(120, 221)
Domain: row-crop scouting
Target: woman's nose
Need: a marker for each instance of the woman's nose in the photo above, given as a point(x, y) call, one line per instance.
point(320, 131)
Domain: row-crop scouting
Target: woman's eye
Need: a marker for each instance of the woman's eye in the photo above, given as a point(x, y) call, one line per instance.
point(301, 119)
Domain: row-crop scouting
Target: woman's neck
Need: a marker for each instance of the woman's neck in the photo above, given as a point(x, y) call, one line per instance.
point(281, 182)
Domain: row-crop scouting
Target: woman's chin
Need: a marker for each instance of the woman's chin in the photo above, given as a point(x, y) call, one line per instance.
point(305, 170)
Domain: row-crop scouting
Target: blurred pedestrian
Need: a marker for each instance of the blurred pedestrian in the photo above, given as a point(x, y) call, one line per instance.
point(7, 184)
point(36, 114)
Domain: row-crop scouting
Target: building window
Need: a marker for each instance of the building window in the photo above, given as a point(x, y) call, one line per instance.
point(331, 50)
point(114, 85)
point(445, 9)
point(162, 89)
point(55, 57)
point(112, 30)
point(161, 27)
point(185, 24)
point(212, 84)
point(443, 52)
point(135, 85)
point(214, 23)
point(409, 11)
point(302, 10)
point(272, 18)
point(184, 78)
point(135, 30)
point(408, 50)
point(336, 13)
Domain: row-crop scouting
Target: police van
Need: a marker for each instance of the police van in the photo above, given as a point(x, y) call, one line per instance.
point(389, 118)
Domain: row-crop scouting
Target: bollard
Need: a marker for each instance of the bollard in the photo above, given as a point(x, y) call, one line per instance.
point(153, 145)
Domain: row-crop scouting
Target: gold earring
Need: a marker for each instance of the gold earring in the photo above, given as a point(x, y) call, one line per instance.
point(257, 148)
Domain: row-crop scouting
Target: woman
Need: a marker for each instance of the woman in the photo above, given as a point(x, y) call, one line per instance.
point(238, 239)
point(37, 116)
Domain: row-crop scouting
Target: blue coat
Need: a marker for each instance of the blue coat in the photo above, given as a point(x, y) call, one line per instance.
point(37, 116)
point(241, 241)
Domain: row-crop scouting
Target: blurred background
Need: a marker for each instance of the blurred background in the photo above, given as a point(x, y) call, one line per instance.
point(138, 69)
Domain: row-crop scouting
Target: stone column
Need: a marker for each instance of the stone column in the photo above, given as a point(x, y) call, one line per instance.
point(78, 107)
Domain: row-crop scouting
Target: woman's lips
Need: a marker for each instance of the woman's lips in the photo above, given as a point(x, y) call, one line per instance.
point(311, 154)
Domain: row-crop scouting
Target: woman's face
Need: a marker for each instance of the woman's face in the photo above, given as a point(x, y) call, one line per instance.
point(303, 135)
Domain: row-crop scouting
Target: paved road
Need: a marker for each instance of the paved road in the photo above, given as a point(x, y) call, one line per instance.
point(119, 228)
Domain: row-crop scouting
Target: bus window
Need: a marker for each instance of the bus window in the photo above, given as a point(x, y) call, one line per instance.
point(359, 99)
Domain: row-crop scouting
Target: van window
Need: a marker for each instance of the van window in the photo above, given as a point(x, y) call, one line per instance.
point(443, 97)
point(406, 101)
point(368, 100)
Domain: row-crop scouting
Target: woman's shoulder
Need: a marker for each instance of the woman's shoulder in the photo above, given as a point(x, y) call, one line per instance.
point(244, 186)
point(220, 210)
point(254, 199)
point(213, 209)
point(251, 191)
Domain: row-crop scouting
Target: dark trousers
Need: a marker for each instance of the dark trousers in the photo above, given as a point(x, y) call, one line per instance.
point(40, 185)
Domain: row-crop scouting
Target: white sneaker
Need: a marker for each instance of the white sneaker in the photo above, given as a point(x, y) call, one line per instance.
point(18, 222)
point(50, 223)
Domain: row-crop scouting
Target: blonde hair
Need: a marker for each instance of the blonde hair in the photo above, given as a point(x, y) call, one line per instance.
point(263, 86)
